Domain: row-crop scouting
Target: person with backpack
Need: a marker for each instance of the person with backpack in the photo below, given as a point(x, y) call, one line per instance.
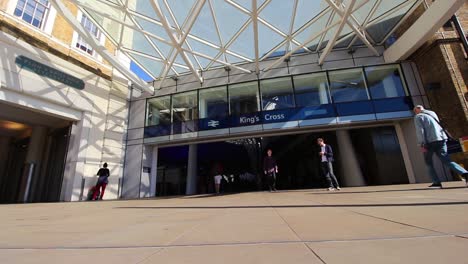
point(432, 138)
point(101, 184)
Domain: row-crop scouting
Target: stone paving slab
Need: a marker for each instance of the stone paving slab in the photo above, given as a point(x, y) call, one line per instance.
point(383, 224)
point(426, 250)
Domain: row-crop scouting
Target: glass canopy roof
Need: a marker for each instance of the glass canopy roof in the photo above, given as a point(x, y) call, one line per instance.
point(173, 37)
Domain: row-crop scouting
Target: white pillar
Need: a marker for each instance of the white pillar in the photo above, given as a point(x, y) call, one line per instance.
point(405, 153)
point(154, 171)
point(323, 93)
point(348, 160)
point(389, 87)
point(192, 170)
point(33, 160)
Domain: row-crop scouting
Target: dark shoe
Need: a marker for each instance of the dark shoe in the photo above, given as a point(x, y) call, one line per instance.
point(465, 175)
point(436, 185)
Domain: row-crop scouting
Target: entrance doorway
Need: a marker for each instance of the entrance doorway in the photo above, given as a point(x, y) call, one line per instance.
point(33, 148)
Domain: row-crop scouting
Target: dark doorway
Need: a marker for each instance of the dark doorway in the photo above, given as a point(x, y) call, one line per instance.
point(172, 171)
point(298, 159)
point(379, 155)
point(11, 180)
point(238, 160)
point(47, 187)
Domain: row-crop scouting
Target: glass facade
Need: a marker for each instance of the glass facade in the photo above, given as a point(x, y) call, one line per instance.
point(243, 98)
point(184, 112)
point(311, 89)
point(214, 102)
point(277, 94)
point(385, 81)
point(158, 111)
point(348, 85)
point(346, 92)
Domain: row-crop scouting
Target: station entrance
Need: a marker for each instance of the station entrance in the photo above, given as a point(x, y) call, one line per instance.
point(374, 150)
point(33, 148)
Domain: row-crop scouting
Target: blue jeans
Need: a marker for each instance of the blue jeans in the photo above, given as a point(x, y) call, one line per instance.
point(440, 149)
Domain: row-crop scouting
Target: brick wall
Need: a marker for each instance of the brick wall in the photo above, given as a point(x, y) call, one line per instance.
point(62, 30)
point(443, 67)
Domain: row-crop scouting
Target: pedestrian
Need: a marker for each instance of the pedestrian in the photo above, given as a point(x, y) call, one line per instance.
point(270, 168)
point(101, 184)
point(432, 139)
point(217, 181)
point(326, 164)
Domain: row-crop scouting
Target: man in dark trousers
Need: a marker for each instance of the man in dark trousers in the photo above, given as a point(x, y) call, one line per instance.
point(270, 168)
point(433, 140)
point(326, 163)
point(103, 174)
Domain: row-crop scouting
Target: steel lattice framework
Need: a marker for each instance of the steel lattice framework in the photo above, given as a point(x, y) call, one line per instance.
point(169, 38)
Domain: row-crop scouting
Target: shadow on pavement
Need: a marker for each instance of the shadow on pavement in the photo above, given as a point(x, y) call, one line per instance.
point(293, 206)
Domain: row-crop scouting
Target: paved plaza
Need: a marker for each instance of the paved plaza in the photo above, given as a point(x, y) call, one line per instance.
point(385, 224)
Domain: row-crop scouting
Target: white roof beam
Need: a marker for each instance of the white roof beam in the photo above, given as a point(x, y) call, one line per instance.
point(310, 39)
point(332, 41)
point(101, 50)
point(218, 32)
point(330, 19)
point(358, 32)
point(255, 31)
point(403, 19)
point(299, 31)
point(291, 26)
point(422, 30)
point(366, 21)
point(176, 42)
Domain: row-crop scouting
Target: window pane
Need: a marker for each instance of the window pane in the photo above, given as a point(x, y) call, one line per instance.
point(385, 81)
point(277, 94)
point(244, 98)
point(184, 106)
point(348, 85)
point(158, 111)
point(311, 89)
point(31, 11)
point(213, 102)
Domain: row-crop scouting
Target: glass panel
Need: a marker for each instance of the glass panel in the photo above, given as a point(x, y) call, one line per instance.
point(184, 106)
point(385, 81)
point(213, 102)
point(158, 111)
point(277, 94)
point(348, 85)
point(244, 98)
point(311, 89)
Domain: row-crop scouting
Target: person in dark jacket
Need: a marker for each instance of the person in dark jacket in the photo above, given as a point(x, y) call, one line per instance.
point(270, 168)
point(326, 164)
point(103, 174)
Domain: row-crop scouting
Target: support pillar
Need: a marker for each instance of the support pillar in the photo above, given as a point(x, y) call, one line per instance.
point(32, 166)
point(405, 153)
point(192, 170)
point(154, 171)
point(348, 160)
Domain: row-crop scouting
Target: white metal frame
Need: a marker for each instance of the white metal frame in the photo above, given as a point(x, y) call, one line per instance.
point(179, 36)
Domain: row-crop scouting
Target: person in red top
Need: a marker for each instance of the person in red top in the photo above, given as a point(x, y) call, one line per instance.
point(103, 174)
